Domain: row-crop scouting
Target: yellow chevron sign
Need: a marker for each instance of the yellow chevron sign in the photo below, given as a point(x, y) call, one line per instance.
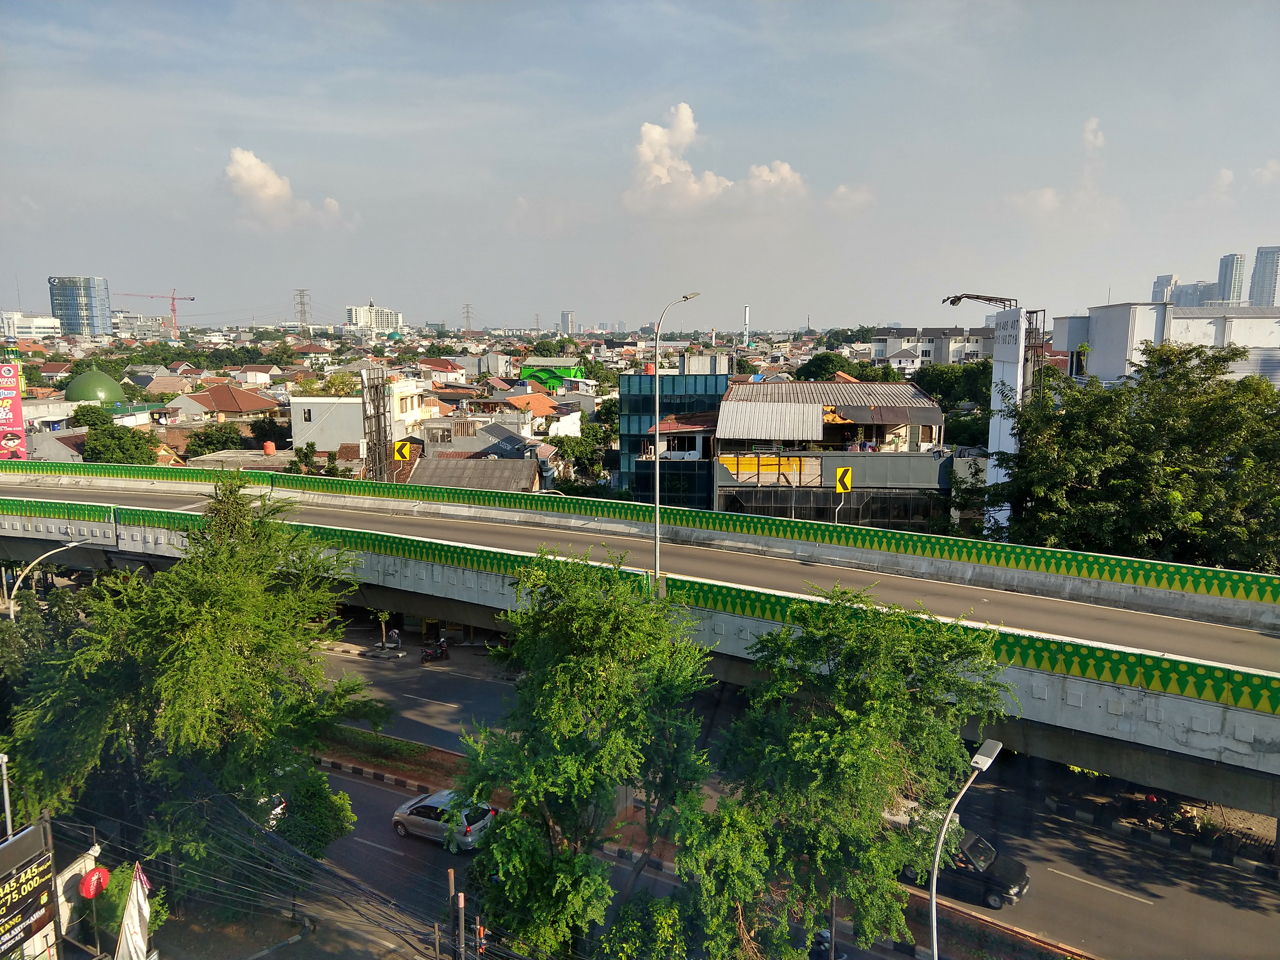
point(844, 479)
point(402, 449)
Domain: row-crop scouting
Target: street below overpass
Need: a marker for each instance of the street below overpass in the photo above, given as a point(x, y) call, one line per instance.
point(1232, 646)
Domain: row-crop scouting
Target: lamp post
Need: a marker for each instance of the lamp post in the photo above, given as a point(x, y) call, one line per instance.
point(18, 582)
point(657, 437)
point(981, 761)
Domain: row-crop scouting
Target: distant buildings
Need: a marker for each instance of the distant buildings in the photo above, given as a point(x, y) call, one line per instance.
point(1115, 334)
point(568, 326)
point(81, 304)
point(1231, 277)
point(24, 326)
point(134, 326)
point(374, 318)
point(1266, 271)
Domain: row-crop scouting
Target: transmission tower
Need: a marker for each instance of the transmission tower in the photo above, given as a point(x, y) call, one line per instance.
point(302, 306)
point(374, 395)
point(537, 324)
point(468, 317)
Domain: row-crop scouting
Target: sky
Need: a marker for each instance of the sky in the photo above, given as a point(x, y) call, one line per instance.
point(828, 163)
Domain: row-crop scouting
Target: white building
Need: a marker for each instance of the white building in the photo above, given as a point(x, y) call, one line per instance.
point(377, 319)
point(25, 326)
point(1266, 272)
point(1231, 277)
point(329, 422)
point(1115, 334)
point(134, 326)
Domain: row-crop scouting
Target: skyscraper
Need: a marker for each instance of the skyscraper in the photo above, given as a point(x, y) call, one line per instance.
point(1231, 277)
point(1161, 290)
point(1266, 271)
point(83, 305)
point(377, 319)
point(566, 323)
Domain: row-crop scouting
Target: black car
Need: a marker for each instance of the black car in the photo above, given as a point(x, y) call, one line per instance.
point(997, 879)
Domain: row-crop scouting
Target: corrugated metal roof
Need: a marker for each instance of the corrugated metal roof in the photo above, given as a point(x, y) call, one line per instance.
point(513, 475)
point(769, 420)
point(832, 394)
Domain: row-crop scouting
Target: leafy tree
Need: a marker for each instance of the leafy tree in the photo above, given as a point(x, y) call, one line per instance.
point(825, 365)
point(607, 414)
point(1180, 463)
point(838, 338)
point(603, 704)
point(585, 452)
point(745, 367)
point(204, 677)
point(954, 383)
point(275, 431)
point(32, 375)
point(91, 415)
point(115, 444)
point(647, 928)
point(599, 372)
point(215, 437)
point(859, 710)
point(554, 348)
point(281, 355)
point(111, 902)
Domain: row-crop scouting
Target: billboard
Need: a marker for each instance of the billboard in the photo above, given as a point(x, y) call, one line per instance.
point(13, 432)
point(26, 902)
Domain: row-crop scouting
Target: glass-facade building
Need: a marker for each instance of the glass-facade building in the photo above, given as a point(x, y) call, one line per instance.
point(82, 304)
point(685, 483)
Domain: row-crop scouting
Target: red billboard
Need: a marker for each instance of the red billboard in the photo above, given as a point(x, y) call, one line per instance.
point(13, 433)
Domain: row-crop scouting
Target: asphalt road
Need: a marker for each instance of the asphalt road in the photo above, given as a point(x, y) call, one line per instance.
point(1111, 896)
point(436, 704)
point(1082, 621)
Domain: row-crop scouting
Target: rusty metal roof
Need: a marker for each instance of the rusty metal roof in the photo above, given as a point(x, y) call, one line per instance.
point(769, 420)
point(832, 394)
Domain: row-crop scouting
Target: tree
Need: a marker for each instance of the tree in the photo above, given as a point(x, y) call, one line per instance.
point(825, 365)
point(1180, 462)
point(859, 710)
point(275, 431)
point(837, 338)
point(607, 414)
point(115, 444)
point(609, 671)
point(215, 437)
point(597, 371)
point(32, 375)
point(91, 415)
point(586, 452)
point(954, 383)
point(197, 681)
point(745, 367)
point(554, 348)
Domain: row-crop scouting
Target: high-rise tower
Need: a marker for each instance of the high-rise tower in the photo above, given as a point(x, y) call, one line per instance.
point(83, 305)
point(1266, 271)
point(1231, 277)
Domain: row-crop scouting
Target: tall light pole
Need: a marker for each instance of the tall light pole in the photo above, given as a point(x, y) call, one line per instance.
point(18, 582)
point(981, 761)
point(657, 437)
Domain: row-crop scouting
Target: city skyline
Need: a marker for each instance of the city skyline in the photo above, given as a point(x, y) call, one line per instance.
point(852, 164)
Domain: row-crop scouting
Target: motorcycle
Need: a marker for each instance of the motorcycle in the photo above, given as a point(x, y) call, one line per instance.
point(441, 652)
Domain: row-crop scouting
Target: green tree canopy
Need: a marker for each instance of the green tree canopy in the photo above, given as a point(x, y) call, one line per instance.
point(603, 704)
point(859, 710)
point(1180, 462)
point(954, 383)
point(824, 366)
point(837, 338)
point(116, 444)
point(554, 348)
point(91, 415)
point(215, 437)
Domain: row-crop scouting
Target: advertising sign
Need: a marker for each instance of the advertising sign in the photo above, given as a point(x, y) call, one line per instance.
point(13, 432)
point(26, 902)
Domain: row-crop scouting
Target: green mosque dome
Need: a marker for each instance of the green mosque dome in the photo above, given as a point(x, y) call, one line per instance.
point(94, 386)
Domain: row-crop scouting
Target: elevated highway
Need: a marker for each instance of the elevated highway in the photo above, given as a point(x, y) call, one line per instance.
point(1186, 705)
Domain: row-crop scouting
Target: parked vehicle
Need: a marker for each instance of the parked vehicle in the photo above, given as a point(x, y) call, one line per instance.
point(424, 817)
point(998, 879)
point(439, 652)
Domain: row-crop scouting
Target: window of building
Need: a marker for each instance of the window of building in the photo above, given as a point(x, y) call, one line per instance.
point(682, 444)
point(306, 415)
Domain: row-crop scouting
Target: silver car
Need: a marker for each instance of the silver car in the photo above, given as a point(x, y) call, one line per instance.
point(424, 817)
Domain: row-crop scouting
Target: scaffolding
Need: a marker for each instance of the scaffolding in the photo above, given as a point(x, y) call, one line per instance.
point(376, 423)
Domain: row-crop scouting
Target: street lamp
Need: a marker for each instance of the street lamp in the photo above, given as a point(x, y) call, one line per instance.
point(981, 761)
point(18, 582)
point(657, 436)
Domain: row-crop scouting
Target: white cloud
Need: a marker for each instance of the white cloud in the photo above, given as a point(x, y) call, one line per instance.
point(1086, 202)
point(1093, 138)
point(849, 200)
point(1269, 172)
point(1044, 200)
point(665, 179)
point(268, 198)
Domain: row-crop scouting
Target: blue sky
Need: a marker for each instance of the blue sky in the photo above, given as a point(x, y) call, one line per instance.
point(850, 162)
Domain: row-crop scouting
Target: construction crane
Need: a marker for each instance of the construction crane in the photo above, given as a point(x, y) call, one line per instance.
point(173, 299)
